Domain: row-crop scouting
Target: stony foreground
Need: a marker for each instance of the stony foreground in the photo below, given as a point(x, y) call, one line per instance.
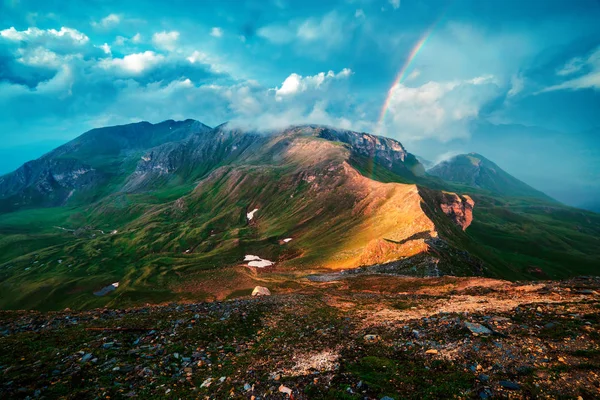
point(362, 338)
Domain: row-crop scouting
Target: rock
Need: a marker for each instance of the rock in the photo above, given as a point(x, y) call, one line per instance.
point(510, 385)
point(286, 390)
point(371, 338)
point(458, 208)
point(477, 329)
point(86, 357)
point(247, 387)
point(261, 291)
point(431, 351)
point(483, 377)
point(206, 383)
point(275, 376)
point(387, 398)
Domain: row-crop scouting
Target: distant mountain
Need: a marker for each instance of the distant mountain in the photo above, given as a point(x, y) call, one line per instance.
point(477, 171)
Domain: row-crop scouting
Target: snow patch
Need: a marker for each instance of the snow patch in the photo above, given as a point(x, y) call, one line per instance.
point(250, 215)
point(256, 261)
point(287, 240)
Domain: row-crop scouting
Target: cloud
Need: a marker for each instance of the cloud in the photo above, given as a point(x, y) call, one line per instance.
point(440, 110)
point(330, 31)
point(134, 63)
point(216, 32)
point(34, 55)
point(295, 83)
point(40, 36)
point(413, 75)
point(517, 83)
point(106, 48)
point(359, 13)
point(109, 21)
point(165, 40)
point(587, 70)
point(395, 4)
point(277, 34)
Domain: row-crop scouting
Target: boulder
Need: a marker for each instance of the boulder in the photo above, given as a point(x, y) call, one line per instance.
point(261, 291)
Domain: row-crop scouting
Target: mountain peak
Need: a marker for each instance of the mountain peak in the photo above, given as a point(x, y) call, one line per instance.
point(475, 170)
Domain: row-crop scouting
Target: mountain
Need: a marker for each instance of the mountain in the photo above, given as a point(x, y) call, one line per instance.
point(477, 171)
point(180, 211)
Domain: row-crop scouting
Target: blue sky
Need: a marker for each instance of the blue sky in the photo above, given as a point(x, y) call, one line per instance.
point(518, 81)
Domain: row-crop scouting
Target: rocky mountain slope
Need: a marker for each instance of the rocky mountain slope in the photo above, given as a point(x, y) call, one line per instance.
point(362, 337)
point(477, 171)
point(180, 211)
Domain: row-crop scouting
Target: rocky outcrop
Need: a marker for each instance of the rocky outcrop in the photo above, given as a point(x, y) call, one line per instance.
point(388, 152)
point(48, 181)
point(458, 208)
point(189, 159)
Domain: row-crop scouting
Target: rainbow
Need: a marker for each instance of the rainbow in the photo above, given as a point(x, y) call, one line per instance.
point(401, 74)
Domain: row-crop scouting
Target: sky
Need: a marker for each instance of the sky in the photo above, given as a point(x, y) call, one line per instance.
point(516, 81)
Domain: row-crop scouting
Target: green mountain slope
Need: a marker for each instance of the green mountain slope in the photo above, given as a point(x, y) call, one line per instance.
point(173, 224)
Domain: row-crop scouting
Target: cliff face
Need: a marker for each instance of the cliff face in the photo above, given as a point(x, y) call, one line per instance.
point(48, 181)
point(459, 208)
point(388, 152)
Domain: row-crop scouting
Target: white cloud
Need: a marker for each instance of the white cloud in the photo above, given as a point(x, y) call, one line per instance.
point(588, 69)
point(330, 31)
point(106, 48)
point(109, 21)
point(35, 34)
point(359, 13)
point(122, 40)
point(517, 83)
point(165, 40)
point(395, 4)
point(198, 57)
point(134, 63)
point(295, 83)
point(413, 75)
point(40, 57)
point(440, 110)
point(216, 32)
